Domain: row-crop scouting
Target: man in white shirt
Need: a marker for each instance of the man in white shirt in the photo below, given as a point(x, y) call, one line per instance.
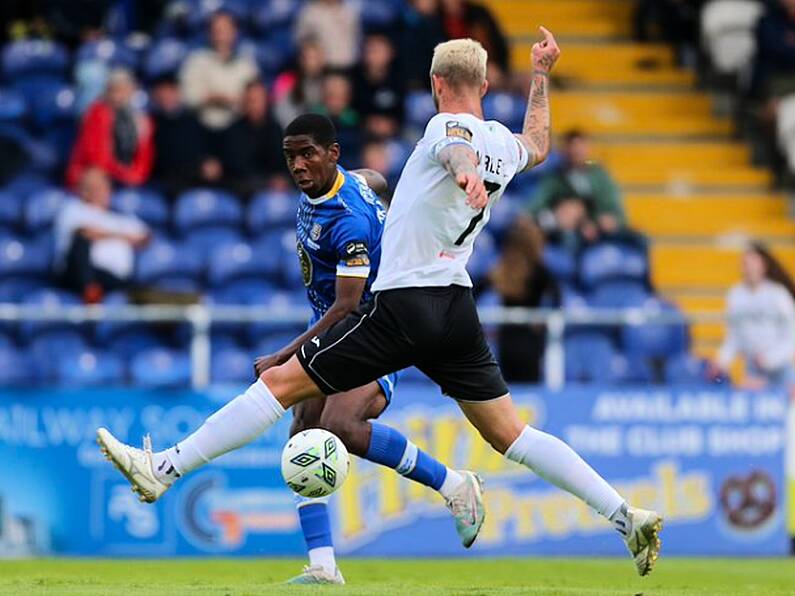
point(423, 313)
point(95, 247)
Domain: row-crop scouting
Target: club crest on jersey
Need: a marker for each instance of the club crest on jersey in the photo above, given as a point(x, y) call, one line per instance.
point(315, 232)
point(306, 264)
point(456, 129)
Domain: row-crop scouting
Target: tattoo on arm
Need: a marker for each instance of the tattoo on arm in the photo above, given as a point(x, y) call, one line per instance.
point(459, 159)
point(536, 129)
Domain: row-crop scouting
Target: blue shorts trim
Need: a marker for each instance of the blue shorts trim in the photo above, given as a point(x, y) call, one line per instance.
point(387, 384)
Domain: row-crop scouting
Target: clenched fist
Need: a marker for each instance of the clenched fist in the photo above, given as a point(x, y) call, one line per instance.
point(545, 53)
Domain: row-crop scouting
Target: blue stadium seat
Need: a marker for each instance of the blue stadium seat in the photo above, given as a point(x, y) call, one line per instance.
point(612, 260)
point(26, 184)
point(105, 330)
point(589, 358)
point(108, 51)
point(503, 215)
point(47, 300)
point(47, 347)
point(277, 300)
point(52, 103)
point(270, 343)
point(231, 365)
point(204, 207)
point(272, 15)
point(13, 106)
point(560, 262)
point(240, 261)
point(145, 204)
point(419, 109)
point(508, 108)
point(686, 369)
point(32, 57)
point(24, 260)
point(160, 368)
point(10, 211)
point(653, 340)
point(131, 341)
point(203, 241)
point(619, 294)
point(42, 207)
point(169, 266)
point(631, 370)
point(16, 368)
point(378, 14)
point(164, 58)
point(484, 256)
point(271, 209)
point(275, 52)
point(241, 291)
point(90, 368)
point(200, 11)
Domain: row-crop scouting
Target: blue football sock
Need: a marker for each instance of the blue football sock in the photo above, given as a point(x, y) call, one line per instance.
point(313, 514)
point(390, 448)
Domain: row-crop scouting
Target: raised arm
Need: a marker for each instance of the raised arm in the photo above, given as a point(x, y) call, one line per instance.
point(535, 136)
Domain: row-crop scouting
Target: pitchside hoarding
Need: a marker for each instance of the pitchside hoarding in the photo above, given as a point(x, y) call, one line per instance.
point(711, 461)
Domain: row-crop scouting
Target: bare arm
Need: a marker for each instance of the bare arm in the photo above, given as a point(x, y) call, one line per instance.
point(349, 292)
point(374, 180)
point(535, 136)
point(461, 162)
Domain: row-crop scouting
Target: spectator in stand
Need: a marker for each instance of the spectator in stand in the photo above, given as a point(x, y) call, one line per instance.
point(674, 21)
point(521, 279)
point(563, 221)
point(114, 136)
point(338, 105)
point(251, 150)
point(334, 24)
point(378, 89)
point(297, 89)
point(761, 325)
point(376, 157)
point(182, 155)
point(578, 177)
point(213, 79)
point(774, 65)
point(470, 19)
point(421, 30)
point(94, 247)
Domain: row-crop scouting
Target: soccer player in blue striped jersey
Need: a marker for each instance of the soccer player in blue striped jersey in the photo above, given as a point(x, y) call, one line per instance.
point(339, 225)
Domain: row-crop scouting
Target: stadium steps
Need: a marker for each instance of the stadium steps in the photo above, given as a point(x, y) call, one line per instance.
point(688, 183)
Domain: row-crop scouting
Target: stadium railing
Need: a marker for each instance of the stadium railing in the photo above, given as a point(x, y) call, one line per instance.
point(202, 317)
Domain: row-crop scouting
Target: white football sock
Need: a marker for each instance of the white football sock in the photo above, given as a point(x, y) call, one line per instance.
point(323, 556)
point(451, 483)
point(556, 462)
point(239, 422)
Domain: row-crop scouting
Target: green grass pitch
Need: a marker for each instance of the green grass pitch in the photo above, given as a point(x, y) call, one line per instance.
point(434, 577)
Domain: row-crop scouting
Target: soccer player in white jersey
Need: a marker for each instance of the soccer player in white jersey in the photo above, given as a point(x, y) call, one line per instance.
point(423, 313)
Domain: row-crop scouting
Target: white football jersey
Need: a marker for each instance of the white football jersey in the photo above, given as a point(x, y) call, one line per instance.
point(430, 228)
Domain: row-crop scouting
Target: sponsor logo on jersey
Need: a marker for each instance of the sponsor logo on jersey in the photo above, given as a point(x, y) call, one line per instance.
point(356, 255)
point(456, 129)
point(306, 264)
point(315, 232)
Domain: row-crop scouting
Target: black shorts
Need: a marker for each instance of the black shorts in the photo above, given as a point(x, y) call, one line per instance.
point(435, 329)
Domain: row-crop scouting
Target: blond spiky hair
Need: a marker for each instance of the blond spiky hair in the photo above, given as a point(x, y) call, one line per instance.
point(461, 62)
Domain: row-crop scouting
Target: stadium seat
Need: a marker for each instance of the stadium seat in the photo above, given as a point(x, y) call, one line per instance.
point(231, 365)
point(686, 369)
point(240, 261)
point(133, 340)
point(47, 348)
point(503, 215)
point(164, 58)
point(656, 340)
point(270, 209)
point(610, 261)
point(507, 108)
point(619, 293)
point(377, 14)
point(271, 15)
point(166, 265)
point(200, 11)
point(279, 300)
point(90, 368)
point(33, 57)
point(13, 106)
point(275, 52)
point(419, 109)
point(147, 205)
point(203, 241)
point(48, 300)
point(10, 211)
point(52, 103)
point(630, 370)
point(204, 207)
point(560, 262)
point(484, 256)
point(160, 368)
point(728, 30)
point(16, 368)
point(105, 330)
point(589, 358)
point(42, 207)
point(23, 260)
point(272, 342)
point(108, 51)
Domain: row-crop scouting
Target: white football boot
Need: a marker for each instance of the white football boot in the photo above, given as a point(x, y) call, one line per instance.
point(135, 464)
point(643, 538)
point(466, 505)
point(317, 574)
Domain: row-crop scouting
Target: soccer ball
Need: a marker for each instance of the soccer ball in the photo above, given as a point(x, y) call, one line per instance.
point(315, 463)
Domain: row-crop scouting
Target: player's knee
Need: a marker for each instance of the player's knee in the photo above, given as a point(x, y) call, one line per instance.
point(502, 436)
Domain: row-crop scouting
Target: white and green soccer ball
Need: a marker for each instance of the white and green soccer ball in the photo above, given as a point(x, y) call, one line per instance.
point(315, 463)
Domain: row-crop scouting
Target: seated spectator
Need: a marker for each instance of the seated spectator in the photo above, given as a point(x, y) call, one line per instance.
point(375, 156)
point(94, 247)
point(337, 105)
point(182, 153)
point(335, 26)
point(251, 149)
point(774, 64)
point(420, 30)
point(761, 323)
point(302, 86)
point(470, 19)
point(378, 89)
point(114, 136)
point(521, 279)
point(213, 79)
point(579, 177)
point(565, 222)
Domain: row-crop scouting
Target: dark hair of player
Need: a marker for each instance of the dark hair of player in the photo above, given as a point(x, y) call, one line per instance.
point(317, 126)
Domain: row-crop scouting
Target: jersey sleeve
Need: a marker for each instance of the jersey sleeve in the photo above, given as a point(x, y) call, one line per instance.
point(444, 130)
point(519, 153)
point(350, 239)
